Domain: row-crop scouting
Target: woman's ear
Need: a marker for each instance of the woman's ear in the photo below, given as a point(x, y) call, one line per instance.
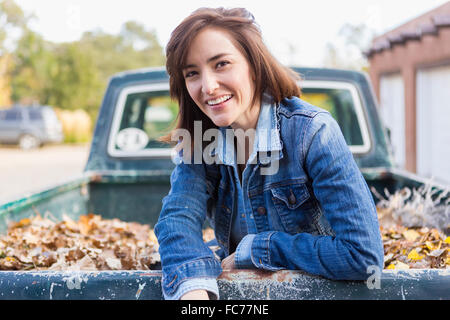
point(253, 75)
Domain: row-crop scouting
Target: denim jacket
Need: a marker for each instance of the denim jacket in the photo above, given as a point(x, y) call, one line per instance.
point(302, 204)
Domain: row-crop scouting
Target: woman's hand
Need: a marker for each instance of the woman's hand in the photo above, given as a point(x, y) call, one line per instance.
point(199, 294)
point(228, 263)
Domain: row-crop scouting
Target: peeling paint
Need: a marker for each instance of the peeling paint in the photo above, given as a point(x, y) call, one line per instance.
point(279, 276)
point(51, 288)
point(75, 281)
point(141, 287)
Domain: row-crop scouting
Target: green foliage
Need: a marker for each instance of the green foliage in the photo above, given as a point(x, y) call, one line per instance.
point(73, 75)
point(12, 20)
point(11, 17)
point(32, 63)
point(75, 82)
point(133, 48)
point(346, 51)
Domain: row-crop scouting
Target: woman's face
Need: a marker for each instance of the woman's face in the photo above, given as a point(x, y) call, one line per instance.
point(219, 80)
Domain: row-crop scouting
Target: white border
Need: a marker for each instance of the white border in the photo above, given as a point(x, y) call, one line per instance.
point(167, 152)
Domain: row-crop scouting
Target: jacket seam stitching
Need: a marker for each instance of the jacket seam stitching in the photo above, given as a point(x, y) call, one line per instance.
point(261, 189)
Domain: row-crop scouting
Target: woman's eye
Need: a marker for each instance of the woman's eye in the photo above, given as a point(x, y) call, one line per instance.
point(189, 74)
point(222, 63)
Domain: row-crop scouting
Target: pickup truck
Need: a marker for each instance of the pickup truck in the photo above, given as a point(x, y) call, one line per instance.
point(127, 175)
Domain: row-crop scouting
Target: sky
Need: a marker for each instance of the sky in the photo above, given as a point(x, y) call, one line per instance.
point(295, 31)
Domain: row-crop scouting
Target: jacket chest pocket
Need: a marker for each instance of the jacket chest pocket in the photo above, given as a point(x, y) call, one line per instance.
point(294, 210)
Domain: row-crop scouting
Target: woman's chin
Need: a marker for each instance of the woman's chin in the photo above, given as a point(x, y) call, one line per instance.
point(222, 122)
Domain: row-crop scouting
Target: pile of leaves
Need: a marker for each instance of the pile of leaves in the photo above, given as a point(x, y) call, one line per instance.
point(413, 225)
point(92, 243)
point(415, 248)
point(413, 228)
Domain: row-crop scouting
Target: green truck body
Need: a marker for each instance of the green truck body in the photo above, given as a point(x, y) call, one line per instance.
point(128, 181)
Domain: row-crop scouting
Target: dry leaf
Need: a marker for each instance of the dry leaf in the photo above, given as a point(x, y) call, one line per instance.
point(411, 235)
point(114, 263)
point(92, 243)
point(413, 255)
point(401, 266)
point(437, 253)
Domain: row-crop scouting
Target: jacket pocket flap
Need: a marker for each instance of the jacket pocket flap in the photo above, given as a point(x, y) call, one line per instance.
point(292, 195)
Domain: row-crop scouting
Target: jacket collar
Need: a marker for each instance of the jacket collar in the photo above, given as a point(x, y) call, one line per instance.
point(267, 140)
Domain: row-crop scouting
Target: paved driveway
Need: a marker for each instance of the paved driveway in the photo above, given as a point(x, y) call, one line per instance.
point(23, 172)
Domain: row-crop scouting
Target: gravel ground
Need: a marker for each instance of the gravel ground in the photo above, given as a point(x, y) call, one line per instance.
point(23, 172)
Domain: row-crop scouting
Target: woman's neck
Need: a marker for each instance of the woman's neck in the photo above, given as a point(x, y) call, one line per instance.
point(249, 119)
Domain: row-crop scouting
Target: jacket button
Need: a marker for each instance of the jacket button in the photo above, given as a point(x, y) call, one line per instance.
point(262, 211)
point(292, 199)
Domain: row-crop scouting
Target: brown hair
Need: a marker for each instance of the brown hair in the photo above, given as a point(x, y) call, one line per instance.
point(274, 78)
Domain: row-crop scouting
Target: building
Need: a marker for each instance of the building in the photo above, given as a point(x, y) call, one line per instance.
point(410, 73)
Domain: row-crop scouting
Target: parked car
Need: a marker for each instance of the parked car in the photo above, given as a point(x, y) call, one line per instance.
point(30, 127)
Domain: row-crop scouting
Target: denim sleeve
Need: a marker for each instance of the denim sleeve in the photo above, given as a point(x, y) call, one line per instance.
point(184, 255)
point(347, 204)
point(243, 256)
point(209, 285)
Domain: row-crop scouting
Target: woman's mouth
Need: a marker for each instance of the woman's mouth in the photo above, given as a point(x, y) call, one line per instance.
point(219, 102)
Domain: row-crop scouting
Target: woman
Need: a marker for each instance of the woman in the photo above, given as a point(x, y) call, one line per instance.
point(295, 200)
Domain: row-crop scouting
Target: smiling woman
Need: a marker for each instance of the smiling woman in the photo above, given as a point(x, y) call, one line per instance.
point(313, 211)
point(221, 84)
point(232, 48)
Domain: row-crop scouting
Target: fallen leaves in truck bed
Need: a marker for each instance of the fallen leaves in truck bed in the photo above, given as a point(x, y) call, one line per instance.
point(92, 243)
point(421, 248)
point(413, 224)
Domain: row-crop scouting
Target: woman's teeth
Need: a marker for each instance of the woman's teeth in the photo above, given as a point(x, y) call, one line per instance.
point(219, 100)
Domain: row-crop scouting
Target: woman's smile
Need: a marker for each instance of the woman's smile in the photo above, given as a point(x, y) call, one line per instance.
point(219, 80)
point(219, 104)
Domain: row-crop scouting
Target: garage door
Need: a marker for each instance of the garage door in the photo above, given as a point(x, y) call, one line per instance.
point(392, 109)
point(433, 123)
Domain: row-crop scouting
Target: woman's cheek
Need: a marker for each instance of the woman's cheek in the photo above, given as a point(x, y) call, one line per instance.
point(192, 88)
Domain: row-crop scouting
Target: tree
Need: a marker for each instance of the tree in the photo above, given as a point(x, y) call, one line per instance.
point(32, 72)
point(5, 80)
point(346, 51)
point(134, 47)
point(67, 75)
point(12, 19)
point(75, 82)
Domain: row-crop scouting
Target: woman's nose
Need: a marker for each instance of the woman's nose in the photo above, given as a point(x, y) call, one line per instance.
point(209, 84)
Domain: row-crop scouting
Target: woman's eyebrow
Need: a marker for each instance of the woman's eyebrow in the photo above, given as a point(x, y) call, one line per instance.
point(217, 56)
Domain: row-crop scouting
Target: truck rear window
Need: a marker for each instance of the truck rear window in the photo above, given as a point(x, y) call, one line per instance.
point(142, 116)
point(343, 102)
point(340, 104)
point(145, 113)
point(152, 112)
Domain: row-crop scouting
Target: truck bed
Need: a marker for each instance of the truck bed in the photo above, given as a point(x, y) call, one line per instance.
point(136, 197)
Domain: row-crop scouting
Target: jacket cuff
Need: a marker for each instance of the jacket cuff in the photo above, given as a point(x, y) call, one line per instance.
point(207, 268)
point(261, 251)
point(243, 256)
point(207, 284)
